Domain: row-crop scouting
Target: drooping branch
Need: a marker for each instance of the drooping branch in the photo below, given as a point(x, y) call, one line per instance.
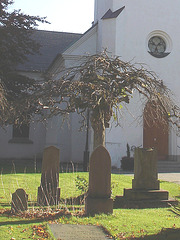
point(102, 83)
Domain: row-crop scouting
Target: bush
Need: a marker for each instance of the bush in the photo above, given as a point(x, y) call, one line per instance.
point(127, 163)
point(81, 184)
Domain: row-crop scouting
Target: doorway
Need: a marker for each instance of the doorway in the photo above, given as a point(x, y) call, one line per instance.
point(155, 130)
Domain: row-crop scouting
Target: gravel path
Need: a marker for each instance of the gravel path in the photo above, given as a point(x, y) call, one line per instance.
point(170, 177)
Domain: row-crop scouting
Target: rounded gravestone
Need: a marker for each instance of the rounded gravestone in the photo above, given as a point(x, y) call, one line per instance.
point(100, 173)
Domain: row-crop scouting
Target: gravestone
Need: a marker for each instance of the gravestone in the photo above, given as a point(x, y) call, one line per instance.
point(49, 191)
point(99, 198)
point(145, 191)
point(145, 169)
point(19, 201)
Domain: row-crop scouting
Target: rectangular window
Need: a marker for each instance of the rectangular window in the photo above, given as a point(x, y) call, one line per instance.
point(20, 134)
point(21, 131)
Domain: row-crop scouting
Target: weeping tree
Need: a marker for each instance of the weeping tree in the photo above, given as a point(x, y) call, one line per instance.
point(101, 84)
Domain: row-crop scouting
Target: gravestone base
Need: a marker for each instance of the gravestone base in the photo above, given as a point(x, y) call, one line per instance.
point(46, 199)
point(144, 194)
point(98, 205)
point(148, 184)
point(122, 202)
point(144, 198)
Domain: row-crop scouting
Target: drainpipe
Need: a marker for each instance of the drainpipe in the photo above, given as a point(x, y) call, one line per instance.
point(86, 152)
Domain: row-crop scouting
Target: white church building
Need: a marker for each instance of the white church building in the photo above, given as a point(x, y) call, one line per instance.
point(141, 31)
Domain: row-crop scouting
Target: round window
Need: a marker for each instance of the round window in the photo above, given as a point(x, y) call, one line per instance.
point(159, 44)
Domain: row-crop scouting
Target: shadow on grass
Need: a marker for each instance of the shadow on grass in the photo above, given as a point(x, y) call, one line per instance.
point(165, 234)
point(3, 205)
point(17, 222)
point(9, 166)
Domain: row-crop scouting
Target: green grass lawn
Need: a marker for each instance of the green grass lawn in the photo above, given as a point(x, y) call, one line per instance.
point(123, 224)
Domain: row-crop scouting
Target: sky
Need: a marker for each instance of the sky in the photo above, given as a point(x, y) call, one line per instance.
point(64, 15)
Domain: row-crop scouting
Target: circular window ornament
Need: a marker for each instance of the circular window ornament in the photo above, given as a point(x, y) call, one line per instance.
point(159, 44)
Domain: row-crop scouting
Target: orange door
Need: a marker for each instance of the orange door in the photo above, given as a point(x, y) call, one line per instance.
point(155, 131)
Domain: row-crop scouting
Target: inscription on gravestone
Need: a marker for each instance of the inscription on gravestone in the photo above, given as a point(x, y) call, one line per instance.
point(49, 191)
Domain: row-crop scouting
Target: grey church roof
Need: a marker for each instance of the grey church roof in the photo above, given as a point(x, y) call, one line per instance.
point(52, 44)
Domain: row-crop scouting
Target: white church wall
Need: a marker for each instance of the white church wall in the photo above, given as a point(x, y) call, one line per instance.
point(66, 136)
point(118, 4)
point(134, 26)
point(135, 23)
point(53, 129)
point(15, 150)
point(85, 45)
point(58, 134)
point(129, 131)
point(100, 8)
point(127, 36)
point(136, 33)
point(78, 139)
point(64, 142)
point(108, 35)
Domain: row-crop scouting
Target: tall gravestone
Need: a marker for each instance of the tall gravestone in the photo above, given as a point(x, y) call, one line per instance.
point(145, 185)
point(49, 191)
point(145, 191)
point(99, 198)
point(19, 201)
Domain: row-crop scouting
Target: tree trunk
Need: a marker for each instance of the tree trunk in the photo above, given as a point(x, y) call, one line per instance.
point(99, 131)
point(99, 137)
point(99, 121)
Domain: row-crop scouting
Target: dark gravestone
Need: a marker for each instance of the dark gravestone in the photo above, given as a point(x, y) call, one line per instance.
point(49, 191)
point(19, 201)
point(98, 199)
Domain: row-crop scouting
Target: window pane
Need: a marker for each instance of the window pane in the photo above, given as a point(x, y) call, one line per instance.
point(21, 131)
